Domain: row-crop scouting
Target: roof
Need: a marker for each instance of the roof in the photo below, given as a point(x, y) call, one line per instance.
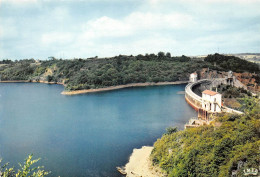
point(209, 92)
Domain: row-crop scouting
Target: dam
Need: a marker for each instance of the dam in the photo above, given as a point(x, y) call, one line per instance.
point(208, 103)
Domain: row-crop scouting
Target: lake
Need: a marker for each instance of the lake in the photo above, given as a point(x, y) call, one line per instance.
point(85, 135)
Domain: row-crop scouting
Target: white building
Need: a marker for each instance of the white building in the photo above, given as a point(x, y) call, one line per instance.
point(211, 101)
point(193, 77)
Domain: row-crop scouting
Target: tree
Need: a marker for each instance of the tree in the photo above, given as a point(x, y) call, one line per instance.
point(168, 55)
point(171, 130)
point(26, 170)
point(161, 55)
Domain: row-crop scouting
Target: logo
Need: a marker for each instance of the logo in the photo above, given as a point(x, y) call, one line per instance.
point(250, 171)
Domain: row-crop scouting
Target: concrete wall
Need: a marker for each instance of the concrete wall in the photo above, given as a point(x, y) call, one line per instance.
point(193, 99)
point(196, 101)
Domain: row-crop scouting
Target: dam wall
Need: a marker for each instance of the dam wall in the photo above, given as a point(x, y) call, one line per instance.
point(195, 100)
point(192, 98)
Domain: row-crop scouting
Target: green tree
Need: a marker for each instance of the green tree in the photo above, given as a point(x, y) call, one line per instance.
point(161, 55)
point(171, 130)
point(26, 170)
point(168, 55)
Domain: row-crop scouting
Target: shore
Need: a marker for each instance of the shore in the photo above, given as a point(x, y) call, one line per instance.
point(25, 81)
point(121, 87)
point(140, 164)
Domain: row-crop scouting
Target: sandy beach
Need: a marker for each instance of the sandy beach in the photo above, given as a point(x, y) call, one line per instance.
point(120, 87)
point(140, 164)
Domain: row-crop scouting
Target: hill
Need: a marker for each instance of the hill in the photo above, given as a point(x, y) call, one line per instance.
point(230, 144)
point(78, 74)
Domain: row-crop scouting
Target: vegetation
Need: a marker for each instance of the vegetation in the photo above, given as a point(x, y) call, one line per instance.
point(232, 63)
point(234, 97)
point(103, 72)
point(230, 144)
point(229, 91)
point(26, 170)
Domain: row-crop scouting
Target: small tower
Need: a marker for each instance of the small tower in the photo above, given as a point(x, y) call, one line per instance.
point(230, 78)
point(193, 77)
point(230, 74)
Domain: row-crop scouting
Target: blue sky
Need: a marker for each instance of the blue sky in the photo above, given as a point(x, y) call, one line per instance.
point(86, 28)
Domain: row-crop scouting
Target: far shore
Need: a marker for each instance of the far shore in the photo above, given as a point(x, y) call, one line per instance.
point(33, 81)
point(76, 92)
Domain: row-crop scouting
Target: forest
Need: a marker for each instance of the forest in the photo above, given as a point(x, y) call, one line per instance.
point(77, 74)
point(229, 144)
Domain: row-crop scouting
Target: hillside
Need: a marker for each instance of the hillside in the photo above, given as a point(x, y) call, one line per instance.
point(212, 150)
point(78, 74)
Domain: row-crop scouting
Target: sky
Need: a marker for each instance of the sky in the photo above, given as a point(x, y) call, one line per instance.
point(105, 28)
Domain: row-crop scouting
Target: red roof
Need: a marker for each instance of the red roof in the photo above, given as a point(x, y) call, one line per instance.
point(209, 92)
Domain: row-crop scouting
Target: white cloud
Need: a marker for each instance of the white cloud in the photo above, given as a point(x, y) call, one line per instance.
point(156, 2)
point(135, 47)
point(18, 1)
point(159, 21)
point(224, 1)
point(134, 23)
point(105, 26)
point(180, 27)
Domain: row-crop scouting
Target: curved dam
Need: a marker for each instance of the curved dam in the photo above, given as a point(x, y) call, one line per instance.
point(194, 98)
point(191, 97)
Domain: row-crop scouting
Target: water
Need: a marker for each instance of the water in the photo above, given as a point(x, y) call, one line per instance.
point(85, 135)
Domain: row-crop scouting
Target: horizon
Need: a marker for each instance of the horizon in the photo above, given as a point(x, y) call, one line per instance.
point(97, 57)
point(86, 28)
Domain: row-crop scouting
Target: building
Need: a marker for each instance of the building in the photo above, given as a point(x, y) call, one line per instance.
point(211, 104)
point(211, 101)
point(193, 77)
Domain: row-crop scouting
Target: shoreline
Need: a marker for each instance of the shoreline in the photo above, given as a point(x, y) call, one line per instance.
point(25, 81)
point(140, 164)
point(76, 92)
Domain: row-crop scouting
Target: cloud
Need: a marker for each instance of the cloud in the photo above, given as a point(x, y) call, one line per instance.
point(85, 28)
point(156, 2)
point(19, 2)
point(159, 20)
point(134, 23)
point(106, 27)
point(56, 38)
point(225, 1)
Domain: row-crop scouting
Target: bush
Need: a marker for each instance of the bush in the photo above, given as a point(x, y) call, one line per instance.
point(26, 170)
point(212, 151)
